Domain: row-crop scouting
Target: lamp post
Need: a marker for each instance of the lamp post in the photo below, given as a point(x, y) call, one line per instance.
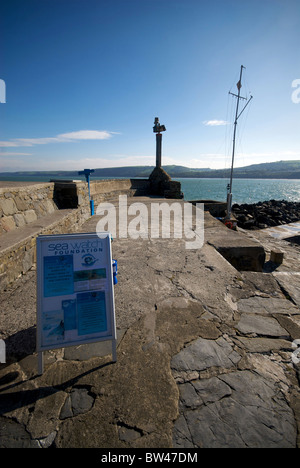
point(87, 173)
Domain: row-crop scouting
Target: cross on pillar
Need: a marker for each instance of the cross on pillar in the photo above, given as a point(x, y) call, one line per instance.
point(158, 128)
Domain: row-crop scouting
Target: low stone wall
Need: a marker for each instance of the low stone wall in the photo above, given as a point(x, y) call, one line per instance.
point(71, 194)
point(19, 255)
point(23, 205)
point(216, 208)
point(103, 189)
point(56, 207)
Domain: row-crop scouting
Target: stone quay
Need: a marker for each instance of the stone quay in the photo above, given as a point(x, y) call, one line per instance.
point(207, 353)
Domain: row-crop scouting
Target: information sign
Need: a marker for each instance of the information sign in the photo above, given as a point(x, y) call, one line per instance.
point(75, 295)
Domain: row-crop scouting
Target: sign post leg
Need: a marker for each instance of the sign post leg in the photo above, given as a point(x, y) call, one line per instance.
point(40, 362)
point(114, 350)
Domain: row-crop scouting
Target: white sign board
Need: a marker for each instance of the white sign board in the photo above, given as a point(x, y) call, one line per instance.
point(75, 296)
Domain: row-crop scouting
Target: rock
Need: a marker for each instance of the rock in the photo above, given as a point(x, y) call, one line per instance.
point(47, 441)
point(82, 400)
point(44, 418)
point(8, 206)
point(246, 411)
point(78, 402)
point(203, 354)
point(19, 220)
point(129, 434)
point(260, 325)
point(290, 283)
point(203, 392)
point(30, 216)
point(8, 223)
point(265, 214)
point(264, 345)
point(14, 435)
point(267, 306)
point(276, 256)
point(291, 324)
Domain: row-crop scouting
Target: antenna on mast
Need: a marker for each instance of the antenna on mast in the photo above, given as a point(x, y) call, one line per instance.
point(237, 115)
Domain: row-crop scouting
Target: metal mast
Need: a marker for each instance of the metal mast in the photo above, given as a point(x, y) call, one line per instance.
point(237, 115)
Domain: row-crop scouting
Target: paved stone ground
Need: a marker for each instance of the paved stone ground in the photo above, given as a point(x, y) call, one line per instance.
point(207, 356)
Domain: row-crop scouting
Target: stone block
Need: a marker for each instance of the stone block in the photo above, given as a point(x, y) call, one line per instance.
point(242, 253)
point(30, 216)
point(8, 206)
point(276, 256)
point(8, 223)
point(19, 220)
point(261, 325)
point(265, 345)
point(27, 261)
point(48, 206)
point(21, 204)
point(267, 306)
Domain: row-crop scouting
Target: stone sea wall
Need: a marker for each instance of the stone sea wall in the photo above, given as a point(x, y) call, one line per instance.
point(22, 205)
point(18, 252)
point(51, 208)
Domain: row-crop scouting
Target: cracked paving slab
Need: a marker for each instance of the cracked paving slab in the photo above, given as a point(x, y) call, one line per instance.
point(247, 412)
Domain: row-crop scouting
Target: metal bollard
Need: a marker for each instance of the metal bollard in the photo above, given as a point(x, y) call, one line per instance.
point(115, 270)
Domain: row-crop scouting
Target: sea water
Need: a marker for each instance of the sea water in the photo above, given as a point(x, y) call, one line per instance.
point(243, 190)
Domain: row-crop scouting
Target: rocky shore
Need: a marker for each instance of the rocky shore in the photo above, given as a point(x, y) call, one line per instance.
point(266, 214)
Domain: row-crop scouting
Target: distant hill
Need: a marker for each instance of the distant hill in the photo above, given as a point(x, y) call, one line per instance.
point(145, 171)
point(275, 170)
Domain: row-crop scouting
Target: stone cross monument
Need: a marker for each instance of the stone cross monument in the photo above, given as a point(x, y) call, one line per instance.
point(161, 183)
point(158, 128)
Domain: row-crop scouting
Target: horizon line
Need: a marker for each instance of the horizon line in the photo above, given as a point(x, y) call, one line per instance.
point(150, 166)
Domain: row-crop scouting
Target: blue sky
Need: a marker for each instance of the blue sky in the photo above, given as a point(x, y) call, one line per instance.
point(85, 78)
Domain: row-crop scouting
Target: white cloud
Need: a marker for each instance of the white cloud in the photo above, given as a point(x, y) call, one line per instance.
point(215, 123)
point(208, 160)
point(269, 157)
point(86, 135)
point(8, 144)
point(35, 141)
point(62, 138)
point(222, 161)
